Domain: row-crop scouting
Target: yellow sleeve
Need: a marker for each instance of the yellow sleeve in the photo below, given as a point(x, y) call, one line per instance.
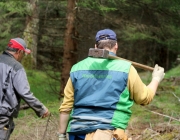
point(139, 92)
point(68, 100)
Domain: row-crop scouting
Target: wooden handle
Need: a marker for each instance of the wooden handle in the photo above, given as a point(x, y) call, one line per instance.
point(135, 64)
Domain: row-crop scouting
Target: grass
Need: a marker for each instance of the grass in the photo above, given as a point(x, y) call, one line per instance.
point(143, 124)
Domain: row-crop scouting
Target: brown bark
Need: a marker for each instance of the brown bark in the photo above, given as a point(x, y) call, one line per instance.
point(25, 106)
point(31, 33)
point(167, 59)
point(70, 45)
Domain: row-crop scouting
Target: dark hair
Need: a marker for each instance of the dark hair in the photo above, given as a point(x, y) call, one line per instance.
point(106, 44)
point(12, 49)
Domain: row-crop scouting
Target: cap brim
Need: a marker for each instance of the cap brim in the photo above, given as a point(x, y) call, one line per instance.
point(27, 51)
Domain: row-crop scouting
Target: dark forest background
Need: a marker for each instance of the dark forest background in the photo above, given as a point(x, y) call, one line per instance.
point(60, 32)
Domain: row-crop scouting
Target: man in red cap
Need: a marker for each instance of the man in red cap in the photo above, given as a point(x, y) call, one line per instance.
point(14, 86)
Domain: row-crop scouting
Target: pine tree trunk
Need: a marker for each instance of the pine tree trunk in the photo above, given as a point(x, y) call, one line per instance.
point(70, 45)
point(31, 33)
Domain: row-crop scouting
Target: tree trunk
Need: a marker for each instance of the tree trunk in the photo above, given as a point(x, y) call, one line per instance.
point(167, 59)
point(70, 45)
point(31, 33)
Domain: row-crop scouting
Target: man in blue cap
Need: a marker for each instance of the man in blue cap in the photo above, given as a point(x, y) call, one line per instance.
point(14, 86)
point(100, 92)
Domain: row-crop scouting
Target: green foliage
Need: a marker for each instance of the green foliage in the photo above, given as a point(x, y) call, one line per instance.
point(151, 26)
point(13, 7)
point(98, 5)
point(12, 20)
point(167, 32)
point(131, 34)
point(147, 20)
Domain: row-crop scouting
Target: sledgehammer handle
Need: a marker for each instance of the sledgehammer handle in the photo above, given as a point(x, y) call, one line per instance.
point(135, 64)
point(102, 53)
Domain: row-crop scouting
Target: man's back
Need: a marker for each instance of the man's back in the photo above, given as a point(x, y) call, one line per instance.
point(8, 68)
point(100, 95)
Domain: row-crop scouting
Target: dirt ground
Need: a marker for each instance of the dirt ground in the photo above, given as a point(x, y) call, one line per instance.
point(31, 128)
point(158, 132)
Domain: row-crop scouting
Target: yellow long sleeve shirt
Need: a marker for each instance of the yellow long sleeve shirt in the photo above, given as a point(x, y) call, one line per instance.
point(140, 93)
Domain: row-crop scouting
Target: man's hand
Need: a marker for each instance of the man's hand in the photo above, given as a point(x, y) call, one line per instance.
point(158, 73)
point(62, 136)
point(47, 113)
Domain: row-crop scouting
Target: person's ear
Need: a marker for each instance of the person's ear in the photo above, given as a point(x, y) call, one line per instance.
point(18, 51)
point(116, 46)
point(95, 46)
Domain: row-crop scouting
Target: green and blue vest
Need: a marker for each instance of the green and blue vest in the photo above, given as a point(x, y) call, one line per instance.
point(101, 97)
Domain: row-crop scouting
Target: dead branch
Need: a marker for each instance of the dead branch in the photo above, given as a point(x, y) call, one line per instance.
point(25, 106)
point(163, 115)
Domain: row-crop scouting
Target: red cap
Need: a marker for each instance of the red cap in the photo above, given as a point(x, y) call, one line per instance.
point(18, 43)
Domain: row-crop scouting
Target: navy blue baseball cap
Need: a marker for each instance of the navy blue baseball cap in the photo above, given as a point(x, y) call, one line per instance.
point(105, 35)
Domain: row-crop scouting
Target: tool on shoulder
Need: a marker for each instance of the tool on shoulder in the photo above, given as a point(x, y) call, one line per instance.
point(102, 53)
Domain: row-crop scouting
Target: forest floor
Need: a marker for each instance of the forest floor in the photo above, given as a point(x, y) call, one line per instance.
point(147, 123)
point(30, 127)
point(154, 130)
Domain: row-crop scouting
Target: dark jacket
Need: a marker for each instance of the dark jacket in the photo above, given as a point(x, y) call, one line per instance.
point(14, 86)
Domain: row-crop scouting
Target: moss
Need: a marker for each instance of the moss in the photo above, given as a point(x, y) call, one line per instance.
point(169, 136)
point(28, 60)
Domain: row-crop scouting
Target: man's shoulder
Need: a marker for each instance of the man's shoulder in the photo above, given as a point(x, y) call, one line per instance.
point(11, 62)
point(80, 65)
